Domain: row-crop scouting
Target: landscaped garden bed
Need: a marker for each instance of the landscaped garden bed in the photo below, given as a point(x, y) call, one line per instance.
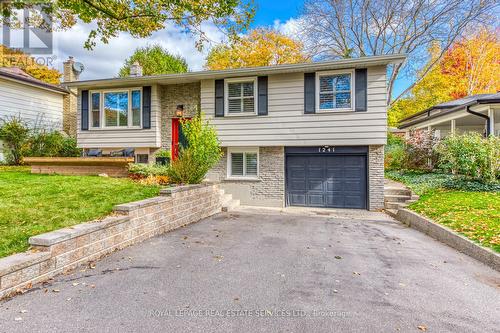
point(31, 204)
point(457, 179)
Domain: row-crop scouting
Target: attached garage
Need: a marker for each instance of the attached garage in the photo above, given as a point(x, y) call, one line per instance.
point(331, 177)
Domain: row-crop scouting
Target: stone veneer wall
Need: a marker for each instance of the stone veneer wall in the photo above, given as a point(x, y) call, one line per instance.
point(65, 249)
point(187, 94)
point(268, 190)
point(376, 177)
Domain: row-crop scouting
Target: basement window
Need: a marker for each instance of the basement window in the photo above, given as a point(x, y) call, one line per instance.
point(243, 163)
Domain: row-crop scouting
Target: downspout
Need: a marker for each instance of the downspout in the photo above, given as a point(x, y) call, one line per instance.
point(488, 120)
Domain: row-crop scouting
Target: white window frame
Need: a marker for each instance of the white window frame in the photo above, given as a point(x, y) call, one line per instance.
point(336, 72)
point(244, 150)
point(102, 120)
point(226, 96)
point(91, 113)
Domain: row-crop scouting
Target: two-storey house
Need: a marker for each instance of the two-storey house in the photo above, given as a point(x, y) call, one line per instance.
point(293, 135)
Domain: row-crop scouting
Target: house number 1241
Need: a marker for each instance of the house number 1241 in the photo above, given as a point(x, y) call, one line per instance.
point(326, 149)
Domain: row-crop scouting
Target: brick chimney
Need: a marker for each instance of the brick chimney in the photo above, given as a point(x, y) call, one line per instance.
point(71, 99)
point(69, 73)
point(136, 69)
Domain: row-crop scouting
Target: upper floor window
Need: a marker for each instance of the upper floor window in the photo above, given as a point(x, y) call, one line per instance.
point(116, 109)
point(241, 98)
point(334, 91)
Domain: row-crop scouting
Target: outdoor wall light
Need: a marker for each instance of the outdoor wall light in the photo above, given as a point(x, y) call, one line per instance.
point(179, 111)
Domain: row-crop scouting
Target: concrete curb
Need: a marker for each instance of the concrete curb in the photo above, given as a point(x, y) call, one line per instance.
point(449, 237)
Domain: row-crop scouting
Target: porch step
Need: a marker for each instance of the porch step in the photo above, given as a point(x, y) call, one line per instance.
point(230, 205)
point(395, 205)
point(397, 191)
point(396, 198)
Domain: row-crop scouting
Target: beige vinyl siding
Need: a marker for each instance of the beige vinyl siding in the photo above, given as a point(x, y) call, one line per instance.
point(123, 138)
point(36, 106)
point(287, 125)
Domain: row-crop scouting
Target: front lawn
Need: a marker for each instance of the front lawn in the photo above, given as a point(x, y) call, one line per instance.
point(475, 214)
point(32, 204)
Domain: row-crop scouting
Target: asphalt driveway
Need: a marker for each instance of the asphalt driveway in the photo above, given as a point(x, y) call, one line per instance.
point(257, 270)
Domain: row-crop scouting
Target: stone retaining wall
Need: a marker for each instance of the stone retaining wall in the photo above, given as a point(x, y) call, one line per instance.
point(449, 237)
point(62, 250)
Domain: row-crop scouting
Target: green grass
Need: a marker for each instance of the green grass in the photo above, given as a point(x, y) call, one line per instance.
point(474, 214)
point(32, 204)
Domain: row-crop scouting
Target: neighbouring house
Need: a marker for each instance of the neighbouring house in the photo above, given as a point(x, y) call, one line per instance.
point(37, 103)
point(293, 135)
point(477, 113)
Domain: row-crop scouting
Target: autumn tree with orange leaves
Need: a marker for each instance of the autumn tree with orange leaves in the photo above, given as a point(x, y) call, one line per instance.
point(15, 58)
point(260, 47)
point(469, 67)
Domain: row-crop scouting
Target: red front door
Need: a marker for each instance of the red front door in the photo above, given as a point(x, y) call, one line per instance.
point(176, 136)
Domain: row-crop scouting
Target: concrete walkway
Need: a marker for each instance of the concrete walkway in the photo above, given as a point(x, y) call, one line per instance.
point(258, 270)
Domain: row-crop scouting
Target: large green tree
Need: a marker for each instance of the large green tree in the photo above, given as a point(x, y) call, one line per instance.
point(154, 60)
point(139, 17)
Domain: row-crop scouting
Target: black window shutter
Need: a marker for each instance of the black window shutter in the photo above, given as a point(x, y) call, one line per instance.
point(84, 119)
point(262, 95)
point(360, 89)
point(219, 98)
point(309, 92)
point(146, 107)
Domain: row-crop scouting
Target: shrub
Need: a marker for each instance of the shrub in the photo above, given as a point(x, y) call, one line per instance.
point(201, 154)
point(420, 151)
point(394, 157)
point(19, 141)
point(145, 170)
point(14, 133)
point(472, 156)
point(163, 153)
point(51, 144)
point(149, 174)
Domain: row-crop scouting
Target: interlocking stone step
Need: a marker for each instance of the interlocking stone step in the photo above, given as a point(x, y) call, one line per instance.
point(396, 198)
point(396, 191)
point(231, 205)
point(395, 205)
point(225, 198)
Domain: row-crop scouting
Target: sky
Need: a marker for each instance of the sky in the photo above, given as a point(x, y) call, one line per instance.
point(105, 60)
